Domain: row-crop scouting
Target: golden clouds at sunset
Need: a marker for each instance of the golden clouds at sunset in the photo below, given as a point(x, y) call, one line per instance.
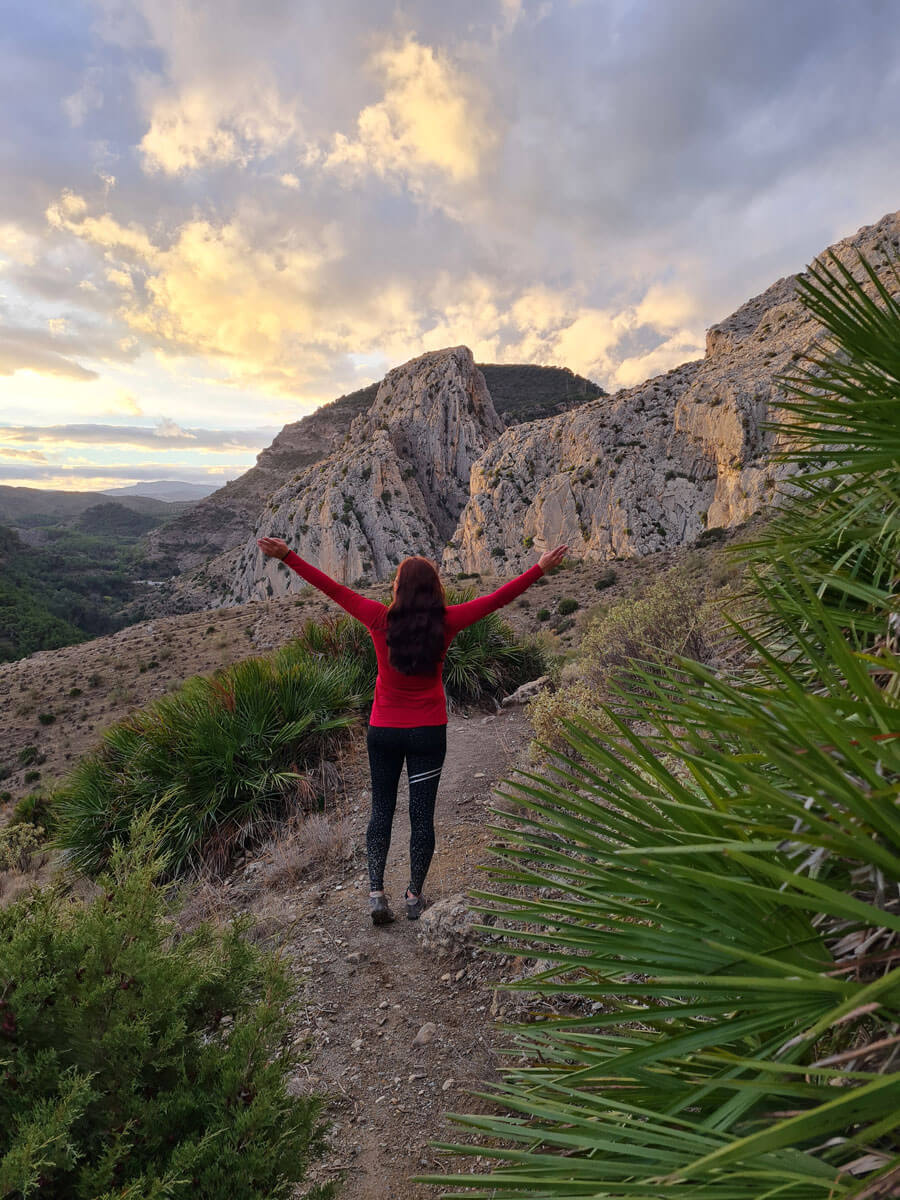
point(237, 212)
point(432, 116)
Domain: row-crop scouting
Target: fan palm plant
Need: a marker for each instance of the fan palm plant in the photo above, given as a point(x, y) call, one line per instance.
point(218, 760)
point(721, 890)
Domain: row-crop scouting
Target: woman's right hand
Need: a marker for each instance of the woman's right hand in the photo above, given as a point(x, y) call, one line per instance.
point(273, 547)
point(552, 558)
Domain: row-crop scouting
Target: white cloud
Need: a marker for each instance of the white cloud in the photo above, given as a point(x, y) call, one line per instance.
point(433, 118)
point(215, 125)
point(683, 346)
point(17, 245)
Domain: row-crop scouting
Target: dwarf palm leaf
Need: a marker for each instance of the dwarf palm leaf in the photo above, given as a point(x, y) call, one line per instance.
point(716, 884)
point(843, 430)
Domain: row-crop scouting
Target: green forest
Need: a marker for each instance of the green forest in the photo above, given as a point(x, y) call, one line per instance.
point(71, 588)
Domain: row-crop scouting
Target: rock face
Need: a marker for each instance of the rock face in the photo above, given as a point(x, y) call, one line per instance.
point(652, 466)
point(395, 486)
point(221, 521)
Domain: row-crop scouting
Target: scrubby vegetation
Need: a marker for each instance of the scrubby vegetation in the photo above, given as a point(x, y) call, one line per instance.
point(226, 752)
point(138, 1060)
point(714, 874)
point(527, 393)
point(670, 617)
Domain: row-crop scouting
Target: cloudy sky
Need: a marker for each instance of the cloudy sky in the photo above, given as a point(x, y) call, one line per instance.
point(216, 215)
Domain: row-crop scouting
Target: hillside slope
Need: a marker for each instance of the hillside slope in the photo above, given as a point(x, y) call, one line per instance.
point(27, 507)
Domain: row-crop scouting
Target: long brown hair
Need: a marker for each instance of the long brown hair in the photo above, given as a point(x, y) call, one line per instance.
point(416, 619)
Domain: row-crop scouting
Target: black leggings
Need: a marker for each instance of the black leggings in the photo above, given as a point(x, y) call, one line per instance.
point(423, 747)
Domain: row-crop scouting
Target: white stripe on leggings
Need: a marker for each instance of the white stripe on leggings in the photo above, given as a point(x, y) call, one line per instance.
point(424, 775)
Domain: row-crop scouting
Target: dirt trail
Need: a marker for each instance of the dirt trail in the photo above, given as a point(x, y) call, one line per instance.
point(368, 991)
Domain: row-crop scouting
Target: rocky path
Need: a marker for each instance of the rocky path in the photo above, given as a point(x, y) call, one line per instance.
point(398, 1026)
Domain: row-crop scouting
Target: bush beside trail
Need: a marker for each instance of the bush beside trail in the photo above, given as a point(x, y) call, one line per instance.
point(139, 1061)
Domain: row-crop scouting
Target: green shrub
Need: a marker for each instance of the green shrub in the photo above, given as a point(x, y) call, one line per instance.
point(340, 640)
point(122, 1076)
point(668, 618)
point(224, 750)
point(543, 614)
point(32, 776)
point(18, 842)
point(548, 709)
point(29, 755)
point(567, 605)
point(711, 536)
point(35, 809)
point(487, 659)
point(605, 580)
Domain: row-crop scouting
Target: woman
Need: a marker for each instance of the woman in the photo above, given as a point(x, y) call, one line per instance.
point(409, 713)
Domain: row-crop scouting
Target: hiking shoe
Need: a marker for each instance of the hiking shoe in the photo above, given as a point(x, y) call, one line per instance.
point(414, 907)
point(381, 913)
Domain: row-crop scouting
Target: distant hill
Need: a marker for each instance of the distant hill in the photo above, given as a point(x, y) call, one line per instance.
point(164, 489)
point(527, 393)
point(33, 615)
point(36, 507)
point(115, 518)
point(69, 566)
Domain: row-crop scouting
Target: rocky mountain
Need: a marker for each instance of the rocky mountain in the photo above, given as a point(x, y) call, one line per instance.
point(429, 467)
point(395, 485)
point(220, 521)
point(652, 466)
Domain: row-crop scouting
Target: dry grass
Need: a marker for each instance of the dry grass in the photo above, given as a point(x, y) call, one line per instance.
point(308, 847)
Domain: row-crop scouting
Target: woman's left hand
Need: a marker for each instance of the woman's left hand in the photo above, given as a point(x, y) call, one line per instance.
point(273, 547)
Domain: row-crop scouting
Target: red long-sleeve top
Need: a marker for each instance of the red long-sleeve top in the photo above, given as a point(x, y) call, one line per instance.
point(402, 700)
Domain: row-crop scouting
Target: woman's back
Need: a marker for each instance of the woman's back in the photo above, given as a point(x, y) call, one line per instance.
point(403, 700)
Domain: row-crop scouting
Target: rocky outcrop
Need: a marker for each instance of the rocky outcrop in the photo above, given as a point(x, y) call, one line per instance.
point(426, 466)
point(395, 486)
point(652, 466)
point(220, 521)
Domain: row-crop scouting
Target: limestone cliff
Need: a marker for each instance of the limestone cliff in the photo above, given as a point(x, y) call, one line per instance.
point(220, 521)
point(652, 466)
point(395, 486)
